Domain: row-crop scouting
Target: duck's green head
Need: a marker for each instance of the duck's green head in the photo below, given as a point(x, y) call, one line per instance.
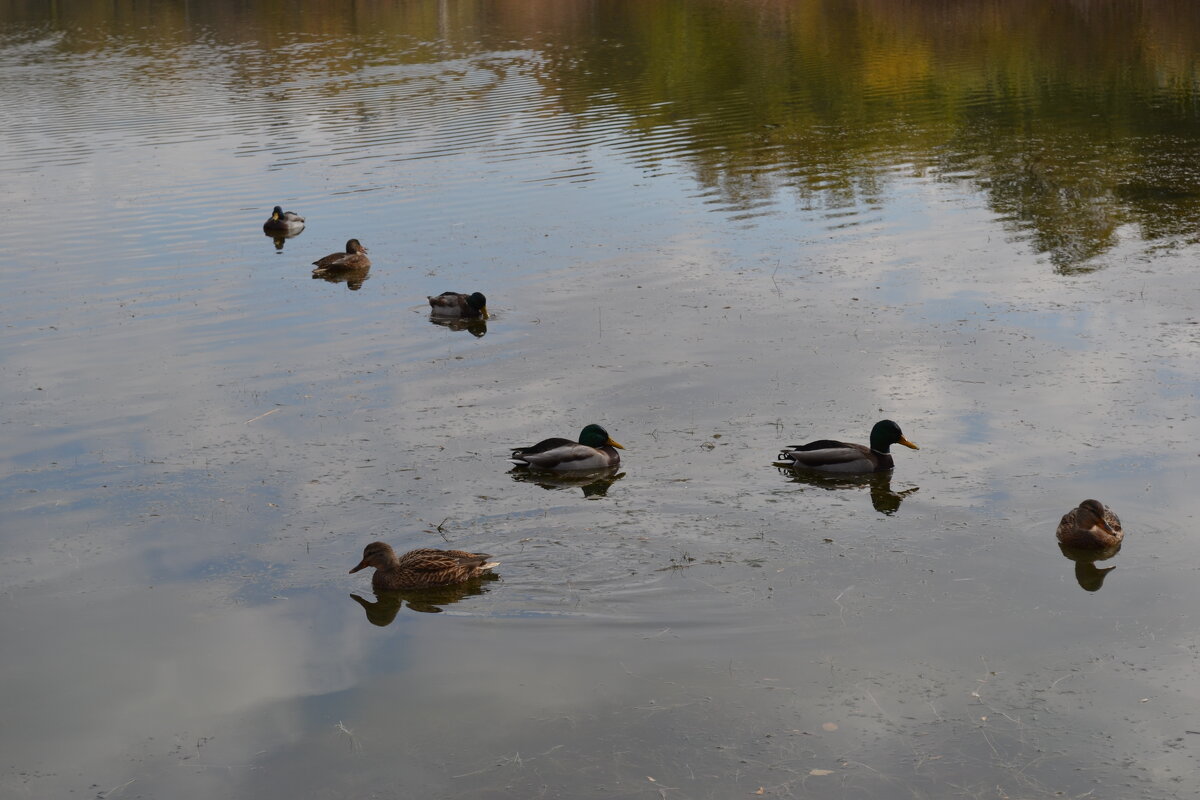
point(595, 436)
point(277, 213)
point(887, 433)
point(477, 301)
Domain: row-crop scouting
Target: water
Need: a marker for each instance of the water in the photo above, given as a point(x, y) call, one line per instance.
point(714, 227)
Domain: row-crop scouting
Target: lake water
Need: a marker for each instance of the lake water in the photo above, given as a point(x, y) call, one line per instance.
point(714, 227)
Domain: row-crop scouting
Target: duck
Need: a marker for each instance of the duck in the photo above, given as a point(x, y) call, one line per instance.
point(456, 304)
point(593, 451)
point(1090, 526)
point(284, 222)
point(424, 568)
point(355, 257)
point(828, 455)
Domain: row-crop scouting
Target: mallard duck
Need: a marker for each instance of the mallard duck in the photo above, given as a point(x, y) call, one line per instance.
point(831, 456)
point(284, 221)
point(593, 451)
point(421, 569)
point(1090, 526)
point(355, 257)
point(455, 304)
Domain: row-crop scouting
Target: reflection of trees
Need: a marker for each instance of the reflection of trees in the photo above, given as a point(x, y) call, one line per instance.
point(1073, 118)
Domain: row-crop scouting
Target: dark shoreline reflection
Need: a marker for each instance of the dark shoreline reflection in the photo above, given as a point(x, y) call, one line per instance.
point(475, 326)
point(885, 499)
point(387, 605)
point(794, 100)
point(1089, 576)
point(353, 278)
point(593, 484)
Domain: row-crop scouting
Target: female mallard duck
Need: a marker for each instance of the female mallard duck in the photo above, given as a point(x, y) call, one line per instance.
point(284, 222)
point(355, 257)
point(1090, 526)
point(421, 569)
point(455, 304)
point(831, 456)
point(593, 451)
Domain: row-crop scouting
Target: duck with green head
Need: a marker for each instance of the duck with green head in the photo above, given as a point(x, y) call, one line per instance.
point(828, 455)
point(457, 304)
point(593, 451)
point(285, 222)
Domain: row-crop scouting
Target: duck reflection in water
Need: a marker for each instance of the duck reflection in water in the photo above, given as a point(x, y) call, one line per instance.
point(476, 326)
point(426, 601)
point(592, 484)
point(1089, 576)
point(353, 277)
point(884, 498)
point(279, 237)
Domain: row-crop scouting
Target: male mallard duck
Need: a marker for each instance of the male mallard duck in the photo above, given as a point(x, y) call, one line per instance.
point(1090, 526)
point(284, 221)
point(831, 456)
point(594, 450)
point(355, 257)
point(421, 569)
point(455, 304)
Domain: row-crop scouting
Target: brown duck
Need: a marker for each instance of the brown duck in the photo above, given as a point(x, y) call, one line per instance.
point(1090, 526)
point(355, 257)
point(425, 568)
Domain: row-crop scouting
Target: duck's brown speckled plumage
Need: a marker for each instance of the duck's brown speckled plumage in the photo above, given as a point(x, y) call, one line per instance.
point(421, 569)
point(355, 257)
point(1090, 526)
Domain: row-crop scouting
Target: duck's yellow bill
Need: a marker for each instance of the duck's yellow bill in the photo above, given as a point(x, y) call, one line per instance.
point(907, 443)
point(615, 443)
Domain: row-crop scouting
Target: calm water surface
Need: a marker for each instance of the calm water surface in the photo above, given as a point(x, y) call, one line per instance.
point(715, 228)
